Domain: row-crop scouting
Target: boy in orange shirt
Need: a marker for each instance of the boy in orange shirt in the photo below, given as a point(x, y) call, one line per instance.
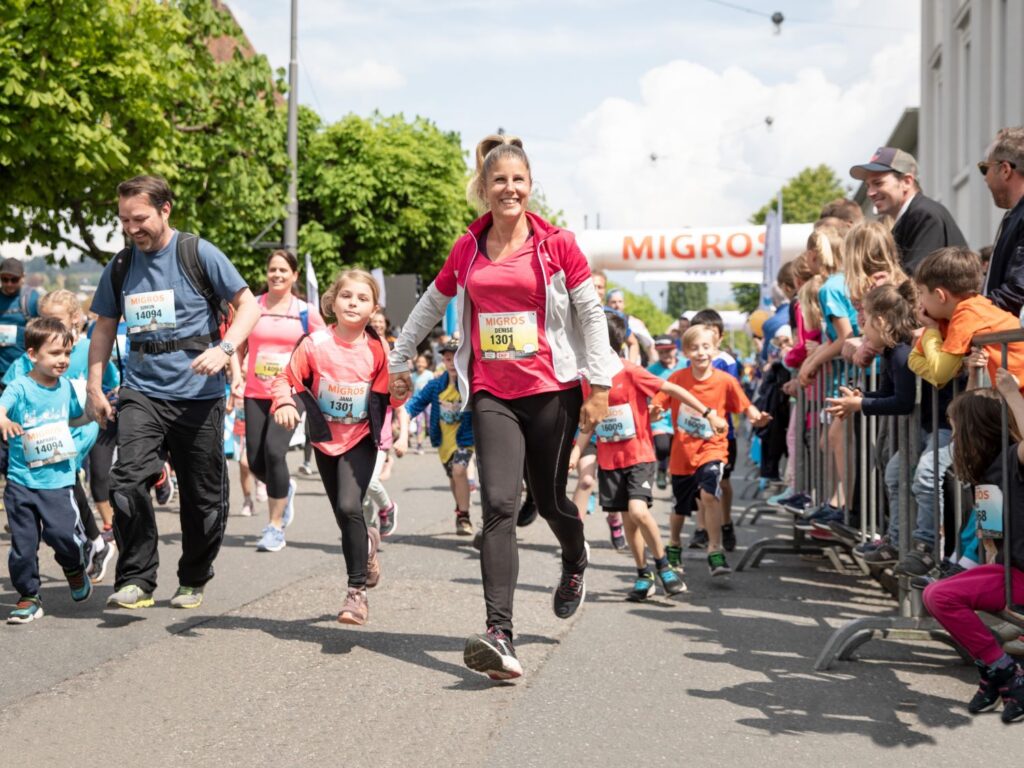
point(953, 313)
point(626, 461)
point(699, 453)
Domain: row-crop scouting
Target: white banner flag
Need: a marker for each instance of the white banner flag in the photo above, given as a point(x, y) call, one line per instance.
point(378, 275)
point(312, 286)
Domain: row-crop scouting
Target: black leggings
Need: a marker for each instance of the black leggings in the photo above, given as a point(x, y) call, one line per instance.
point(345, 480)
point(101, 459)
point(662, 449)
point(537, 430)
point(266, 443)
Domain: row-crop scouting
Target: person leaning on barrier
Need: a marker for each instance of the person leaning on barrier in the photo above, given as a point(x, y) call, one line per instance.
point(922, 225)
point(172, 395)
point(953, 313)
point(954, 601)
point(1003, 169)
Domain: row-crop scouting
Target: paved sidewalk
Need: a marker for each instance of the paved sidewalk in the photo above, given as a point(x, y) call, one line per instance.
point(263, 675)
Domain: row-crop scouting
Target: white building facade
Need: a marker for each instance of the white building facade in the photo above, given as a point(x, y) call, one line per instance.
point(972, 84)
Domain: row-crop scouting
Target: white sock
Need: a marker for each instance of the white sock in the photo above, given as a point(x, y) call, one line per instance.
point(98, 544)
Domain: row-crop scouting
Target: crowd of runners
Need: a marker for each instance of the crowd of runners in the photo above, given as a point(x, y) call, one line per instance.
point(175, 363)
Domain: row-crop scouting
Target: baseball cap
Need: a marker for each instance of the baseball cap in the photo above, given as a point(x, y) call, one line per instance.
point(886, 159)
point(664, 342)
point(12, 266)
point(448, 346)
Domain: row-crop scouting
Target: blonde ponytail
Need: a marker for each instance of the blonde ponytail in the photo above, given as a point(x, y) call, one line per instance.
point(489, 150)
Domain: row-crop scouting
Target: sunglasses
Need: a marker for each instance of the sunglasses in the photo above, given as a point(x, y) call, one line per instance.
point(10, 279)
point(984, 165)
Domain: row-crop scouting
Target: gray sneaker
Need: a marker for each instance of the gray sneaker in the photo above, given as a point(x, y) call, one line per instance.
point(272, 540)
point(187, 597)
point(131, 597)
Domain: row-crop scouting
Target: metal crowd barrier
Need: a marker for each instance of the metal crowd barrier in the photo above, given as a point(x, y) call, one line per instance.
point(814, 475)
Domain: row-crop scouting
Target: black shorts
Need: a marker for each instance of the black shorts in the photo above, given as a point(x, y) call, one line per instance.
point(617, 487)
point(731, 464)
point(461, 456)
point(687, 488)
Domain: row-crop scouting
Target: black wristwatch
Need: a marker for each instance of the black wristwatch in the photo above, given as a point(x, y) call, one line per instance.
point(706, 412)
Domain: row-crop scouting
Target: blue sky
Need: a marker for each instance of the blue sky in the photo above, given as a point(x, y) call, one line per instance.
point(595, 88)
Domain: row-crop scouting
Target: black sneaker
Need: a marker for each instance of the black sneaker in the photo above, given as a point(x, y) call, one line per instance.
point(618, 536)
point(570, 592)
point(989, 687)
point(527, 513)
point(728, 537)
point(699, 540)
point(884, 555)
point(1013, 696)
point(919, 561)
point(163, 489)
point(717, 564)
point(101, 560)
point(493, 654)
point(661, 480)
point(643, 588)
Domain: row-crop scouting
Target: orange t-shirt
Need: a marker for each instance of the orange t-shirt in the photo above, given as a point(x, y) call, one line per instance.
point(691, 448)
point(978, 315)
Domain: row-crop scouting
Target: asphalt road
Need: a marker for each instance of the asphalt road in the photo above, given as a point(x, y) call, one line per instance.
point(262, 674)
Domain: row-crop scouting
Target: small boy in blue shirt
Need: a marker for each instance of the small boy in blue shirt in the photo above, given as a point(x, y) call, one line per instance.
point(36, 413)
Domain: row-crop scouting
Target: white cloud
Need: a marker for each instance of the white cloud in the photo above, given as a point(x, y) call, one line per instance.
point(717, 161)
point(368, 75)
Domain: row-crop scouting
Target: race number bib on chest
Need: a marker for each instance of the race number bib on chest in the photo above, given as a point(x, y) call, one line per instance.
point(153, 311)
point(344, 403)
point(988, 509)
point(8, 335)
point(693, 424)
point(617, 425)
point(48, 444)
point(269, 364)
point(508, 335)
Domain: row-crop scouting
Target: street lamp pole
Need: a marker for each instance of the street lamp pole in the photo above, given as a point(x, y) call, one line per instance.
point(291, 222)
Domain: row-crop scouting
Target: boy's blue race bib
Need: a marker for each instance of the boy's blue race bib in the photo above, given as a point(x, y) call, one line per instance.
point(48, 444)
point(693, 424)
point(618, 425)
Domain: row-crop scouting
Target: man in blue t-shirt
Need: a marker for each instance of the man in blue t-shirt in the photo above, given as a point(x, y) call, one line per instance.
point(172, 396)
point(17, 305)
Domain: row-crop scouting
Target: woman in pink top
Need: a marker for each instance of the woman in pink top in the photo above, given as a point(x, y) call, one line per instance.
point(531, 323)
point(284, 319)
point(341, 374)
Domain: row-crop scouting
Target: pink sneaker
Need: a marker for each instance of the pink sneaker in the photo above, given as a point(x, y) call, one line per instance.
point(356, 609)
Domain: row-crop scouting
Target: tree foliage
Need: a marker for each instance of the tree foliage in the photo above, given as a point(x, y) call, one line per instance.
point(804, 195)
point(802, 199)
point(685, 297)
point(96, 91)
point(381, 192)
point(644, 308)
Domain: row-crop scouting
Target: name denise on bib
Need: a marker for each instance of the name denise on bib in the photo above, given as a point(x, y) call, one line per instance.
point(508, 335)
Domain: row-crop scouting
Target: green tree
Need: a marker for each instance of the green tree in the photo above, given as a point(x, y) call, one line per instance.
point(95, 91)
point(747, 295)
point(802, 199)
point(381, 192)
point(644, 308)
point(684, 297)
point(804, 195)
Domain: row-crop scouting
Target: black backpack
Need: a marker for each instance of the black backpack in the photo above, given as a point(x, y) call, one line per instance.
point(187, 251)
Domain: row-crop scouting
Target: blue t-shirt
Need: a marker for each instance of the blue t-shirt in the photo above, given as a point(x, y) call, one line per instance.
point(167, 306)
point(43, 412)
point(12, 324)
point(77, 373)
point(835, 302)
point(664, 424)
point(420, 380)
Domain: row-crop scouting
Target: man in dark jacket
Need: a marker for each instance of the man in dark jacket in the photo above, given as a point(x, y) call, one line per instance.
point(1003, 169)
point(922, 225)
